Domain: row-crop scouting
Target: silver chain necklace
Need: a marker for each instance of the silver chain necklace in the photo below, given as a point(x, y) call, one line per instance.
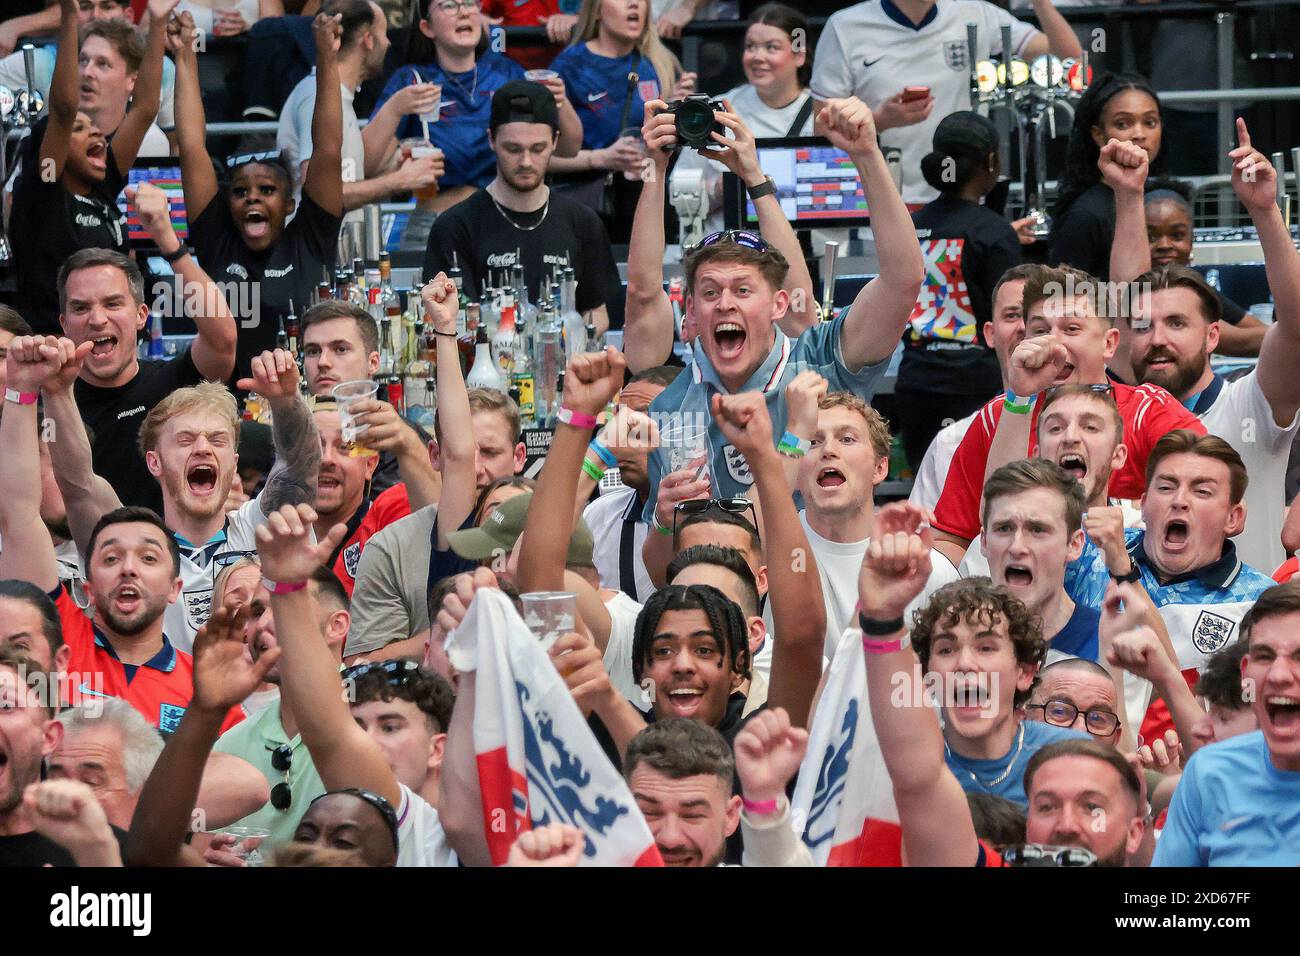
point(502, 209)
point(1005, 773)
point(472, 96)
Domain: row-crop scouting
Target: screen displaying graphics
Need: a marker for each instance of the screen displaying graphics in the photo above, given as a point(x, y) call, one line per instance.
point(816, 183)
point(166, 175)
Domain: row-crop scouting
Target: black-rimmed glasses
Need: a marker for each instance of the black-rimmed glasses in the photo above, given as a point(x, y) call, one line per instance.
point(1061, 713)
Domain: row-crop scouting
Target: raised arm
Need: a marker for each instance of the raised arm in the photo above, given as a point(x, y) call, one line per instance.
point(324, 182)
point(648, 329)
point(932, 808)
point(1057, 38)
point(794, 584)
point(342, 752)
point(876, 319)
point(1140, 653)
point(1255, 181)
point(64, 93)
point(88, 497)
point(1034, 366)
point(213, 350)
point(769, 751)
point(28, 552)
point(146, 96)
point(589, 383)
point(292, 480)
point(198, 178)
point(223, 676)
point(457, 449)
point(1123, 167)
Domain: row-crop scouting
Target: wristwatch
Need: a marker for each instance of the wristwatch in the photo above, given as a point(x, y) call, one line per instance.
point(181, 252)
point(765, 188)
point(1134, 574)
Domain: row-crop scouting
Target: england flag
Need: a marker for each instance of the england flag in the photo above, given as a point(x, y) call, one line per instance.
point(844, 801)
point(538, 761)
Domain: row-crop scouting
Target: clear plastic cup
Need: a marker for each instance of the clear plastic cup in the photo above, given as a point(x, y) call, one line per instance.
point(550, 614)
point(687, 446)
point(432, 115)
point(415, 149)
point(540, 76)
point(633, 133)
point(248, 845)
point(347, 394)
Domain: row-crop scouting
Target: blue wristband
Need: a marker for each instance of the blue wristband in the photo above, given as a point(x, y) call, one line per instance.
point(793, 446)
point(604, 453)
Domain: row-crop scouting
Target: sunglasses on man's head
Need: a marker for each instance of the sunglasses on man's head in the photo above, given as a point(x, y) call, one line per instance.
point(1101, 388)
point(396, 672)
point(699, 506)
point(739, 237)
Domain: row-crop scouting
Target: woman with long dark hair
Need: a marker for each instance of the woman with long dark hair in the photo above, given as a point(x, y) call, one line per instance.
point(947, 371)
point(1120, 106)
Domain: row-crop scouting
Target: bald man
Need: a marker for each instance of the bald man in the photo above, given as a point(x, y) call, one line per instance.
point(1079, 694)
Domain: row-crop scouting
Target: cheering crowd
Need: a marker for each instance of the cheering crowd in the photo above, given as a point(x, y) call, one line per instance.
point(313, 639)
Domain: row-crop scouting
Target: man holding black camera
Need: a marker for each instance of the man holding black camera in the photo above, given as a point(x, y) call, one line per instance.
point(519, 220)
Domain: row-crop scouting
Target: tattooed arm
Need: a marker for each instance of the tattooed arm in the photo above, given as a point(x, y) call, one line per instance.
point(292, 480)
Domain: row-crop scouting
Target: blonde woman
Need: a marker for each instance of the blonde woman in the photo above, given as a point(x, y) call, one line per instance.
point(615, 40)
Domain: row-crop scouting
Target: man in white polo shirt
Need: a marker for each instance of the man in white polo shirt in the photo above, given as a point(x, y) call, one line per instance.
point(877, 49)
point(1176, 328)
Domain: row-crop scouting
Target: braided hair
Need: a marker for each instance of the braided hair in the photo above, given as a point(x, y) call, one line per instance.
point(726, 621)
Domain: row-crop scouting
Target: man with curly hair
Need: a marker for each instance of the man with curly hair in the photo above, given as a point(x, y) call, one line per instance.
point(980, 649)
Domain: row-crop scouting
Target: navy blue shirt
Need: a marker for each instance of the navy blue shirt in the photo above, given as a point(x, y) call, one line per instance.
point(597, 86)
point(1079, 636)
point(461, 130)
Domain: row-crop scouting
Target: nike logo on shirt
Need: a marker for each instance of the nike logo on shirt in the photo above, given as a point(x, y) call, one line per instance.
point(869, 63)
point(592, 97)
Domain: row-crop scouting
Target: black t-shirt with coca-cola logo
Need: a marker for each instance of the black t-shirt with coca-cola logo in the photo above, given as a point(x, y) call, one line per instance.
point(48, 223)
point(567, 234)
point(259, 286)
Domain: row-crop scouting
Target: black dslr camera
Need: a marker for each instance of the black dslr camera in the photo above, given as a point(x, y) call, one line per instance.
point(694, 120)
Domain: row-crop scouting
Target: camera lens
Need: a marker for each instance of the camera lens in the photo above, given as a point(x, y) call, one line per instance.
point(694, 122)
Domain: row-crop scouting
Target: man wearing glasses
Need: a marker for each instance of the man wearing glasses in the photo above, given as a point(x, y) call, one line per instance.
point(1069, 337)
point(1078, 694)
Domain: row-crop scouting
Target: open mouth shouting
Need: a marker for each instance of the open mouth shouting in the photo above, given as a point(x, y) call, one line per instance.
point(1074, 464)
point(1177, 532)
point(103, 345)
point(97, 155)
point(968, 693)
point(685, 701)
point(1283, 713)
point(730, 340)
point(1018, 576)
point(201, 480)
point(256, 224)
point(830, 478)
point(127, 599)
point(465, 29)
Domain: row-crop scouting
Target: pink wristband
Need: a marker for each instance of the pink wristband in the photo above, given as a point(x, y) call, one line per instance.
point(568, 416)
point(872, 646)
point(761, 807)
point(20, 398)
point(283, 587)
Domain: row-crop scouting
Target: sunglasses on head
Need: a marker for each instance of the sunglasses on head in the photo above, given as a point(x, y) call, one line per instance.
point(244, 159)
point(699, 506)
point(1101, 388)
point(739, 237)
point(396, 672)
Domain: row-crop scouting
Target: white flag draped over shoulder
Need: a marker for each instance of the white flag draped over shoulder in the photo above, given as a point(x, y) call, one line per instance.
point(844, 801)
point(538, 761)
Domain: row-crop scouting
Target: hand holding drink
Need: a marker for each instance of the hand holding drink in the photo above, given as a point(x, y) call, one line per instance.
point(347, 395)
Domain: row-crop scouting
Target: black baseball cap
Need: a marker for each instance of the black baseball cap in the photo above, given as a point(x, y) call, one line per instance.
point(522, 101)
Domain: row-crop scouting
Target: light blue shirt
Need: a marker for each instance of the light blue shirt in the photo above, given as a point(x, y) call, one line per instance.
point(686, 400)
point(1233, 808)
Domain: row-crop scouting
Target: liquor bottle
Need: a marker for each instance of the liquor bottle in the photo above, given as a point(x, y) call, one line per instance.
point(281, 336)
point(505, 343)
point(390, 303)
point(323, 289)
point(467, 341)
point(357, 294)
point(592, 340)
point(292, 329)
point(548, 362)
point(485, 373)
point(575, 329)
point(458, 277)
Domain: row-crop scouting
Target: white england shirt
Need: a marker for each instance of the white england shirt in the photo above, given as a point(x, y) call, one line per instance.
point(865, 51)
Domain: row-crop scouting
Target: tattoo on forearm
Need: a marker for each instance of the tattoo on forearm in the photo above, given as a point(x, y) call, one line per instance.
point(297, 458)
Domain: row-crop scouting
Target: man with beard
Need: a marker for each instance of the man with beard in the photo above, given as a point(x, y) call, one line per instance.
point(188, 442)
point(682, 775)
point(1084, 793)
point(1238, 803)
point(1069, 337)
point(1175, 329)
point(520, 221)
